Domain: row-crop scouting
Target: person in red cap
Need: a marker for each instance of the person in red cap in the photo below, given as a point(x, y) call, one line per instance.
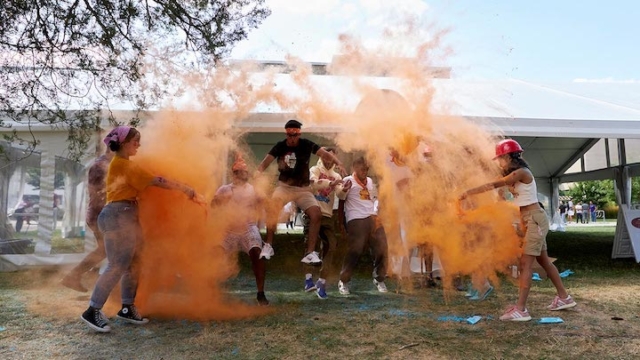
point(118, 221)
point(522, 185)
point(242, 233)
point(293, 156)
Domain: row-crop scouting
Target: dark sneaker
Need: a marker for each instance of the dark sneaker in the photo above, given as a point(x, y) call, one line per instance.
point(96, 320)
point(73, 282)
point(321, 290)
point(129, 313)
point(309, 285)
point(262, 300)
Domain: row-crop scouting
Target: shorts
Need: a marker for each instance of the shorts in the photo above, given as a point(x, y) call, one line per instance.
point(236, 242)
point(301, 195)
point(537, 227)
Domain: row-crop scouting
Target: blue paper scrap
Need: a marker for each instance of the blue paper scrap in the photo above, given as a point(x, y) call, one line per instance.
point(474, 319)
point(536, 277)
point(451, 318)
point(550, 320)
point(2, 328)
point(566, 273)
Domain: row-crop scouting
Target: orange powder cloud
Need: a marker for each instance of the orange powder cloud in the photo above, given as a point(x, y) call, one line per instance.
point(183, 268)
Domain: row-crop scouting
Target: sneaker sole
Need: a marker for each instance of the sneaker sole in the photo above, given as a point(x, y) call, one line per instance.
point(566, 306)
point(311, 289)
point(105, 329)
point(132, 321)
point(311, 263)
point(320, 297)
point(522, 319)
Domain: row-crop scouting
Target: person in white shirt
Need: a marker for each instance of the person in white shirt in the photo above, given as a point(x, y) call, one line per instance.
point(357, 199)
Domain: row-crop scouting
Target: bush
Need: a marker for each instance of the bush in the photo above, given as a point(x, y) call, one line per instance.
point(611, 211)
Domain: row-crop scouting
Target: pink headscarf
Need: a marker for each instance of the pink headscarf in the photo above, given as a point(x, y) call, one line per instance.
point(118, 134)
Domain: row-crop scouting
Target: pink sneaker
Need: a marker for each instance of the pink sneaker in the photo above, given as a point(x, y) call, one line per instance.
point(513, 314)
point(560, 304)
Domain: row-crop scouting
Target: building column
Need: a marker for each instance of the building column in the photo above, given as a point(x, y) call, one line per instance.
point(45, 212)
point(555, 196)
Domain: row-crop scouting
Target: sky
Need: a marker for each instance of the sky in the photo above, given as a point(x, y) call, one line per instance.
point(540, 41)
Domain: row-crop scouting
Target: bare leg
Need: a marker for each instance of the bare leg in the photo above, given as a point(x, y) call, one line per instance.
point(315, 217)
point(526, 262)
point(552, 273)
point(259, 268)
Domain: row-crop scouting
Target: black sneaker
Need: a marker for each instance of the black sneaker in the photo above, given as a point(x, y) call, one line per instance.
point(96, 320)
point(130, 314)
point(262, 300)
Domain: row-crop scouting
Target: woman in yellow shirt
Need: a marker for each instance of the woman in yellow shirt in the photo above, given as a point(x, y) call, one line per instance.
point(118, 221)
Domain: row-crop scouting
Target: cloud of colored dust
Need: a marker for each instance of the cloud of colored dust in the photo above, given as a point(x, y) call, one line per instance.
point(183, 268)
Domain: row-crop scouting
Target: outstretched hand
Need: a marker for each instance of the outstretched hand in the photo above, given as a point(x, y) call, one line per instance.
point(346, 185)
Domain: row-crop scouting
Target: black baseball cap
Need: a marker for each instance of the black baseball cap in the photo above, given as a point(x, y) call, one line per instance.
point(293, 124)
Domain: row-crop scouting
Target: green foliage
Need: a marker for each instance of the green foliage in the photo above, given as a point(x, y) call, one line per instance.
point(33, 178)
point(601, 192)
point(66, 63)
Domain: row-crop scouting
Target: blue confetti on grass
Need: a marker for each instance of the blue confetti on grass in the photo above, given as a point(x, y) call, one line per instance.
point(451, 318)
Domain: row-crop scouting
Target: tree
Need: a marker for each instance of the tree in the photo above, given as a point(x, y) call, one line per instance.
point(64, 62)
point(601, 192)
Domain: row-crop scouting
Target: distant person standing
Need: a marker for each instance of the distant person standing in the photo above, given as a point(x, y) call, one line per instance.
point(563, 212)
point(579, 218)
point(585, 212)
point(570, 210)
point(592, 211)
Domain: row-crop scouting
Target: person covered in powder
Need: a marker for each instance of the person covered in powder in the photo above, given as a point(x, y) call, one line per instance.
point(357, 210)
point(242, 233)
point(520, 179)
point(325, 181)
point(118, 221)
point(293, 156)
point(97, 176)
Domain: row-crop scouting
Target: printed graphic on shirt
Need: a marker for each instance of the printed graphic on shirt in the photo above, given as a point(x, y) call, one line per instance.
point(324, 194)
point(364, 194)
point(290, 160)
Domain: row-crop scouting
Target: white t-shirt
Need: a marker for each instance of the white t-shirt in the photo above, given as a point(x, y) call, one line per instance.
point(359, 202)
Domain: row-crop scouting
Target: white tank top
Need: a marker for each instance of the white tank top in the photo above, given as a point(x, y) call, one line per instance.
point(525, 194)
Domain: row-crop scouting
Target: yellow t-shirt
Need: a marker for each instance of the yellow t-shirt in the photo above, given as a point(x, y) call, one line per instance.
point(125, 180)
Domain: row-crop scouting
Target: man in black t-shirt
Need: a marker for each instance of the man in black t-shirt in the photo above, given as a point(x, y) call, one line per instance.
point(293, 155)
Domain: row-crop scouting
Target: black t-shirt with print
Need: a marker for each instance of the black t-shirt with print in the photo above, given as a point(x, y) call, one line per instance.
point(293, 161)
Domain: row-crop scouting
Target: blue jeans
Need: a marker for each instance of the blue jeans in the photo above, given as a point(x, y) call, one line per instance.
point(118, 221)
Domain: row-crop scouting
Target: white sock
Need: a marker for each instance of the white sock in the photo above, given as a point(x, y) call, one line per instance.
point(309, 276)
point(322, 281)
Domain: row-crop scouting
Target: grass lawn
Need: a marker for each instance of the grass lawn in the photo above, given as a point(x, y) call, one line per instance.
point(39, 319)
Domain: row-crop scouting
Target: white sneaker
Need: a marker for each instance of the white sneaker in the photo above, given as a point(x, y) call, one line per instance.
point(312, 258)
point(267, 251)
point(343, 288)
point(380, 285)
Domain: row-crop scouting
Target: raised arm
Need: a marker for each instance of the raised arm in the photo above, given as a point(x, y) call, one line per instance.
point(522, 175)
point(173, 185)
point(268, 159)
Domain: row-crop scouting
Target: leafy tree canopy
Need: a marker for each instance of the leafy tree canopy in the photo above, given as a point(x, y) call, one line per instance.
point(69, 62)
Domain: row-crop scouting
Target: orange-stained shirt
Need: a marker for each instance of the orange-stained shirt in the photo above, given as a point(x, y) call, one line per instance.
point(125, 180)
